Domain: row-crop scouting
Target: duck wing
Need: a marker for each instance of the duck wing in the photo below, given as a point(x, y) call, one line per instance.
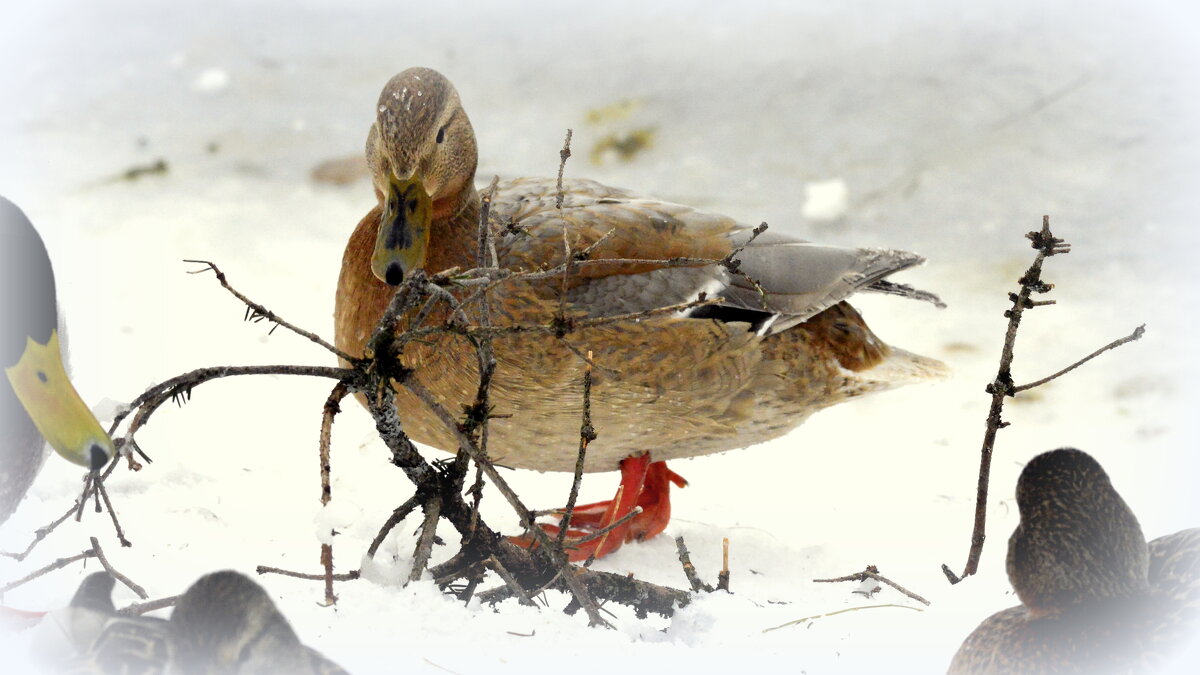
point(779, 281)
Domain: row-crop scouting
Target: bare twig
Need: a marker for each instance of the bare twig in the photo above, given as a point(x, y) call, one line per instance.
point(689, 570)
point(139, 608)
point(257, 312)
point(559, 329)
point(486, 245)
point(328, 412)
point(603, 532)
point(872, 572)
point(563, 156)
point(512, 584)
point(181, 386)
point(327, 567)
point(723, 575)
point(98, 486)
point(433, 511)
point(41, 533)
point(346, 576)
point(397, 516)
point(1002, 386)
point(1135, 335)
point(99, 553)
point(587, 434)
point(733, 265)
point(57, 564)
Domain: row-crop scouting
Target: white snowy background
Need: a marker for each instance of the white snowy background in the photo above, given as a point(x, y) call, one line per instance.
point(952, 127)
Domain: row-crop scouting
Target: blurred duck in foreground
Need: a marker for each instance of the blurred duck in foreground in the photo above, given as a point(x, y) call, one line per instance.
point(38, 404)
point(1095, 598)
point(676, 384)
point(225, 623)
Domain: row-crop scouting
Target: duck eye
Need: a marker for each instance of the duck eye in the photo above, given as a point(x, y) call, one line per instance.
point(441, 135)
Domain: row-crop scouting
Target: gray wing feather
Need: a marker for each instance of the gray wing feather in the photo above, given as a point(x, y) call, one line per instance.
point(799, 278)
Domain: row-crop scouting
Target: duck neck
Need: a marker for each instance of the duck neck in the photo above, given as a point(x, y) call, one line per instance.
point(452, 237)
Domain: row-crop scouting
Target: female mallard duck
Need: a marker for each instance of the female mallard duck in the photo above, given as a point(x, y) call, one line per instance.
point(691, 383)
point(1095, 598)
point(37, 401)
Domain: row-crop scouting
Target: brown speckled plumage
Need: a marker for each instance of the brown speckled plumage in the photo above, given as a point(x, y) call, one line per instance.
point(683, 386)
point(1095, 597)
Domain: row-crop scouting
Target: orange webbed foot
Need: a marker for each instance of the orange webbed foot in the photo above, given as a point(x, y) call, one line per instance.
point(644, 484)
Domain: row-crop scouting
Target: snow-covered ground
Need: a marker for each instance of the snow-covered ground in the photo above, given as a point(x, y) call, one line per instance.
point(948, 128)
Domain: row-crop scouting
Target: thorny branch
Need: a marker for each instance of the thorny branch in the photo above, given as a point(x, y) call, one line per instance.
point(256, 312)
point(1002, 386)
point(439, 489)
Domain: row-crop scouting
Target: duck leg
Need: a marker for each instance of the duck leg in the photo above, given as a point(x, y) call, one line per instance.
point(644, 484)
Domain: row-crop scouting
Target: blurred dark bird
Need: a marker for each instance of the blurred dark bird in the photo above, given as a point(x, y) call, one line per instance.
point(677, 384)
point(1095, 598)
point(224, 623)
point(107, 642)
point(38, 404)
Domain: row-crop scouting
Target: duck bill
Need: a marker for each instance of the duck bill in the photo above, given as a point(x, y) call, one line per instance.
point(403, 235)
point(40, 382)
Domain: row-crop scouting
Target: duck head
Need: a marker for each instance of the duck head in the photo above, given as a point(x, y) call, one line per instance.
point(422, 155)
point(1077, 541)
point(30, 352)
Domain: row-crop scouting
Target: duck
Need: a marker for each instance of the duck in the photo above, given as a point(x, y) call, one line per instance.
point(223, 623)
point(100, 639)
point(672, 385)
point(1095, 596)
point(226, 623)
point(39, 404)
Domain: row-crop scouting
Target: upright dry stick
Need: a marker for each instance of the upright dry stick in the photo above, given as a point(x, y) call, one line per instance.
point(330, 410)
point(1046, 245)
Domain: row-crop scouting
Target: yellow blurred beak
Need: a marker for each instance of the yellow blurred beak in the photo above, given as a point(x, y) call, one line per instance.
point(40, 383)
point(403, 231)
